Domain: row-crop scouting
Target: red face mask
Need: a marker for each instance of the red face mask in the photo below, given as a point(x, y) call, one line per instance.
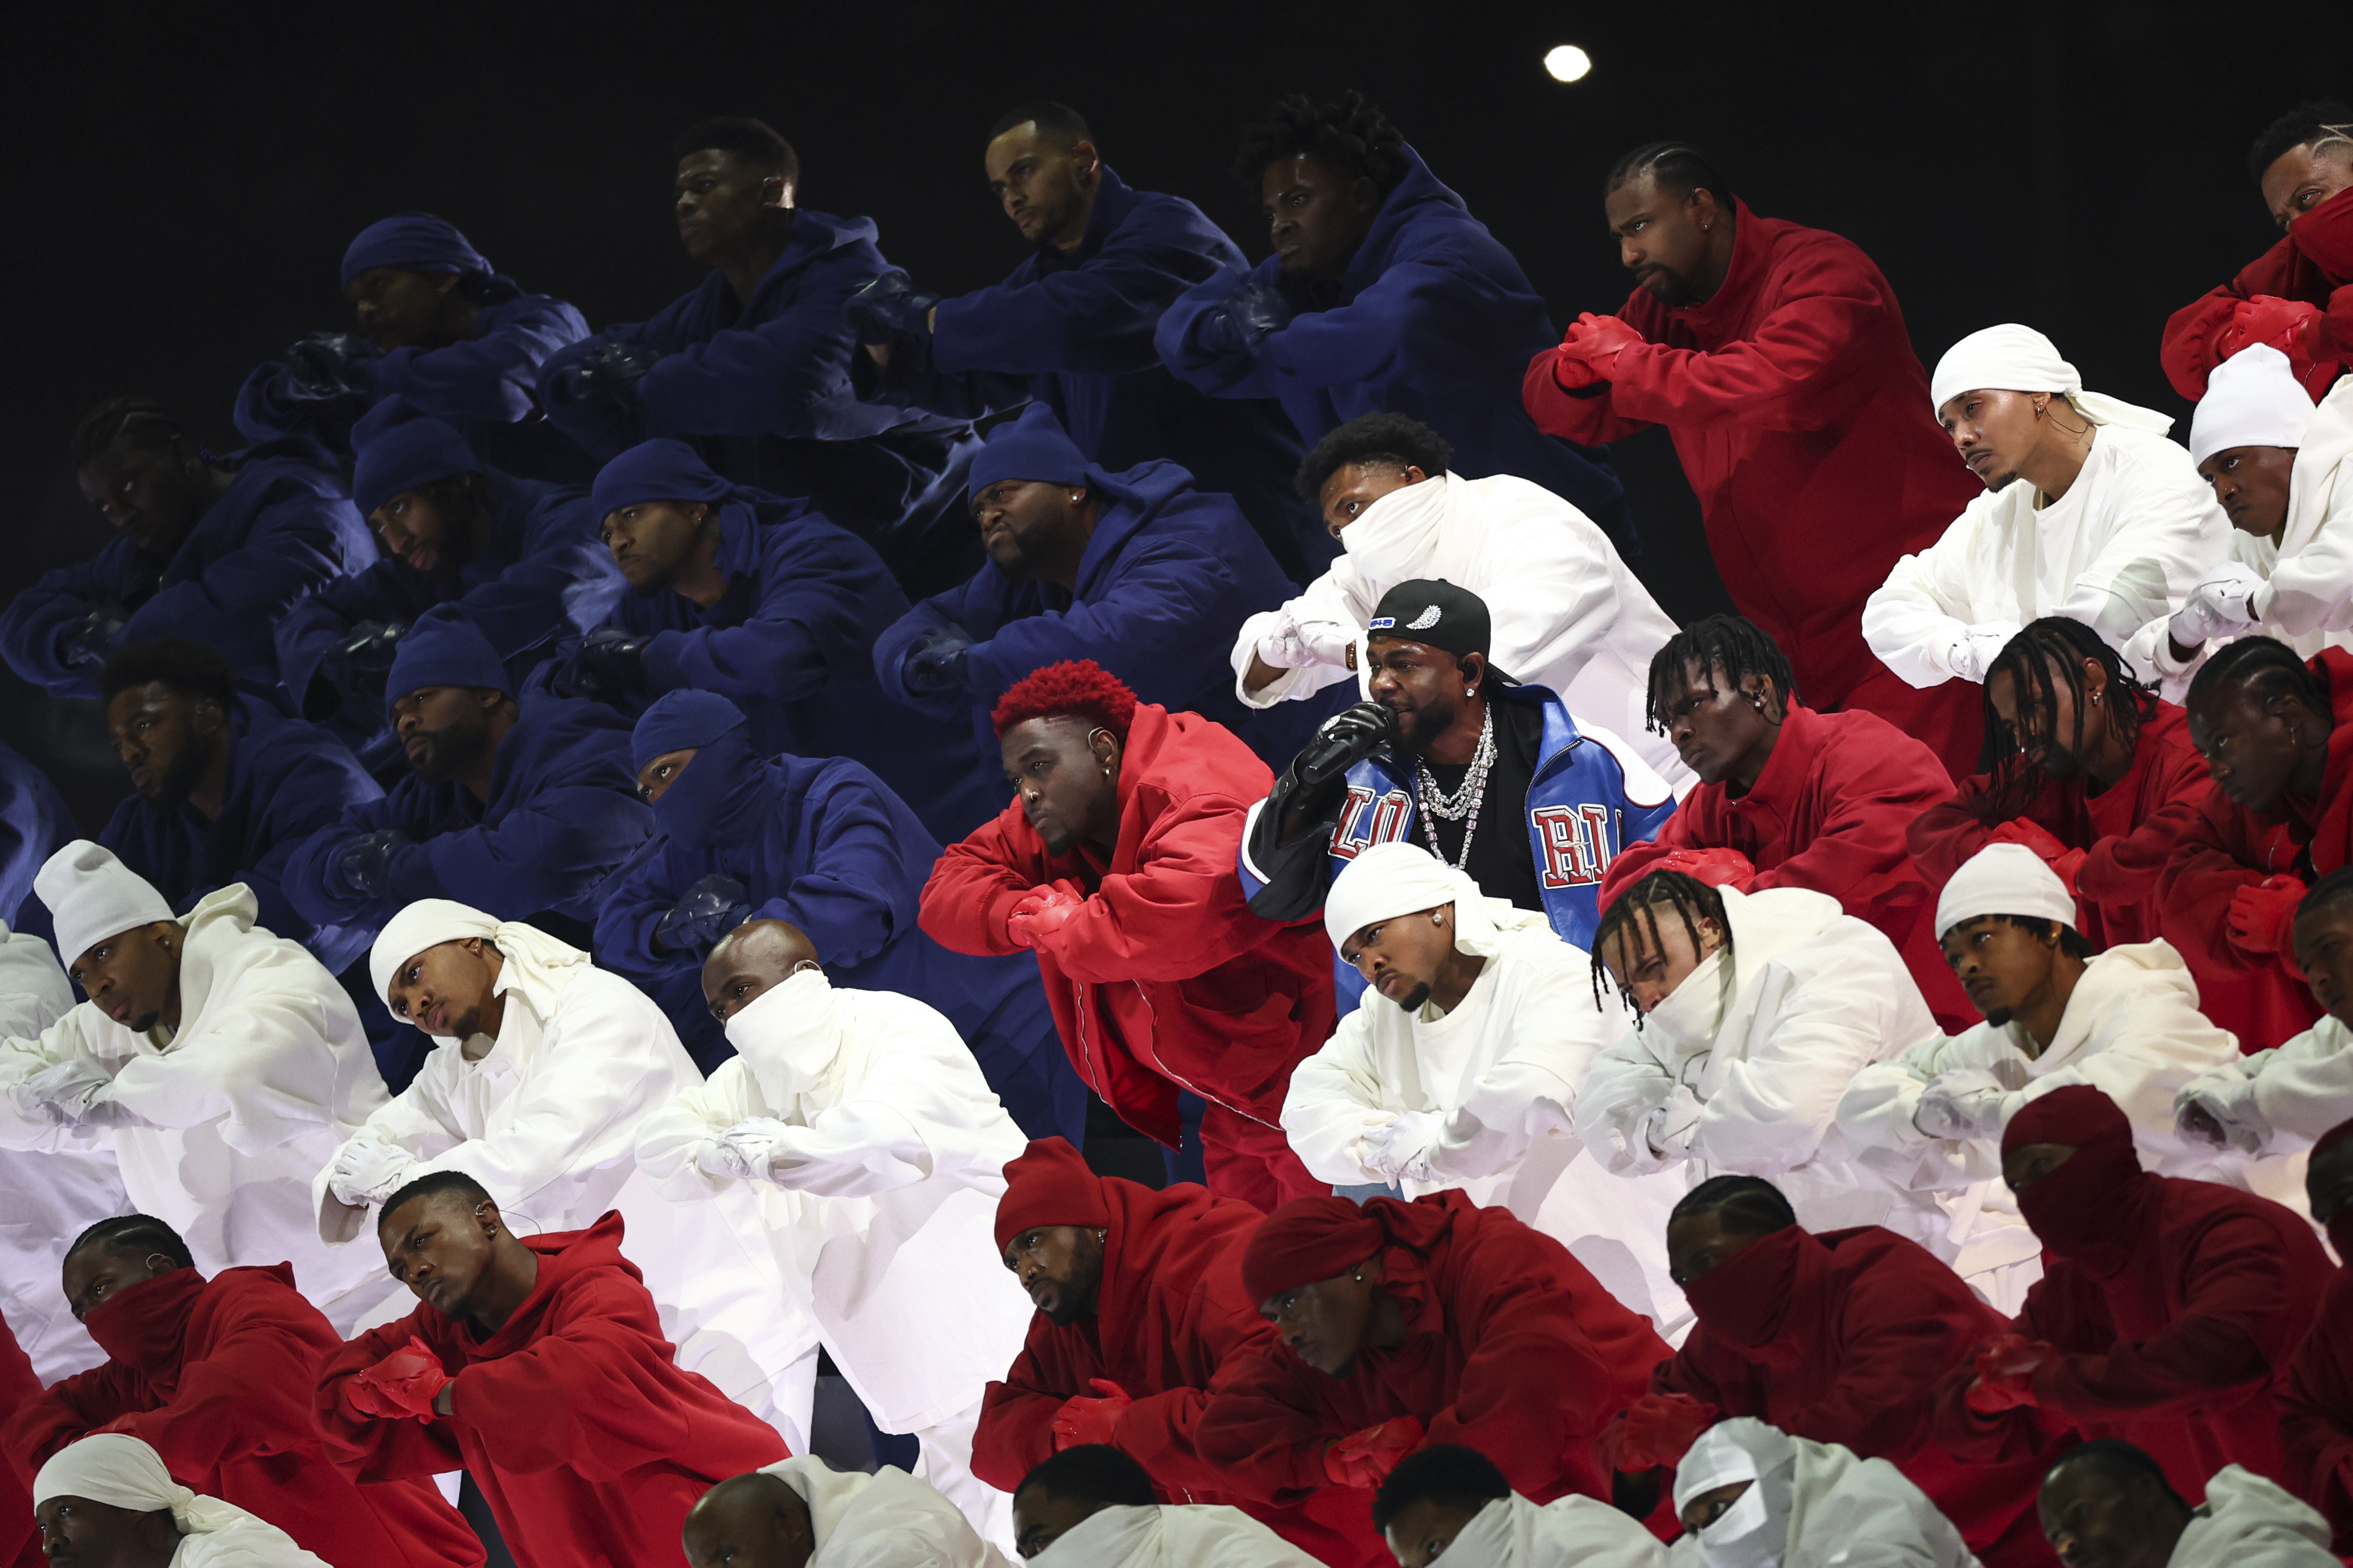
point(2079, 1210)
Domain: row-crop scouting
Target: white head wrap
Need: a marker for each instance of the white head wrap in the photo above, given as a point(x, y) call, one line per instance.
point(1400, 879)
point(1754, 1531)
point(92, 896)
point(2004, 879)
point(2253, 399)
point(2011, 358)
point(121, 1471)
point(533, 961)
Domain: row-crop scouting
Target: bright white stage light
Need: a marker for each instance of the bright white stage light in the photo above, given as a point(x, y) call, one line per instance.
point(1568, 63)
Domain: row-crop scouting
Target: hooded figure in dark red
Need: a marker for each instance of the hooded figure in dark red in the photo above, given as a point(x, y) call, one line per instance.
point(1841, 1337)
point(20, 1540)
point(1114, 864)
point(216, 1376)
point(2316, 1405)
point(2167, 1315)
point(587, 1439)
point(1802, 416)
point(2294, 297)
point(1403, 1325)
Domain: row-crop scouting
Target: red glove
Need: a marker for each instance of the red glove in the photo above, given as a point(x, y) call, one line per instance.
point(1656, 1429)
point(1598, 341)
point(1365, 1459)
point(2006, 1366)
point(1042, 911)
point(1571, 372)
point(1082, 1421)
point(1716, 867)
point(2291, 326)
point(402, 1383)
point(2262, 913)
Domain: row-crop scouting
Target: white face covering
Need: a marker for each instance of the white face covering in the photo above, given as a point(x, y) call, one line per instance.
point(1692, 1010)
point(1395, 538)
point(1754, 1533)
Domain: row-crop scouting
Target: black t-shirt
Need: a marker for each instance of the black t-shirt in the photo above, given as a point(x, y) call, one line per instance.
point(1501, 861)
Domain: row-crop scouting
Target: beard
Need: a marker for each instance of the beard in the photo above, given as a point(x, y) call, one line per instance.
point(180, 778)
point(1669, 288)
point(2060, 765)
point(2001, 1016)
point(1417, 999)
point(447, 754)
point(1418, 726)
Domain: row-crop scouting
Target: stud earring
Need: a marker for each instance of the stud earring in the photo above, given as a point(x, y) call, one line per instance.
point(1436, 918)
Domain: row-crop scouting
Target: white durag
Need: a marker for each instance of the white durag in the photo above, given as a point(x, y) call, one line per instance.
point(1400, 879)
point(121, 1471)
point(1754, 1531)
point(2011, 358)
point(533, 961)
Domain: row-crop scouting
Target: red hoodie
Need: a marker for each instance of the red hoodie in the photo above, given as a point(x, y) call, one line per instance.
point(1802, 416)
point(586, 1436)
point(2313, 262)
point(2127, 833)
point(20, 1542)
point(1840, 1338)
point(2317, 1409)
point(215, 1376)
point(1165, 978)
point(1828, 812)
point(2223, 848)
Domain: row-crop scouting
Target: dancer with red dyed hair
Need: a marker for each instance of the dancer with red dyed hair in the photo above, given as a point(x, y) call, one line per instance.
point(1114, 864)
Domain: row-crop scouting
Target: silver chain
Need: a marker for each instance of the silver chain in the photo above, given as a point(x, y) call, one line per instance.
point(1464, 801)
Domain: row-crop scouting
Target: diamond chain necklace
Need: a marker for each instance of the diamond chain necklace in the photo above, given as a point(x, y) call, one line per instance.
point(1464, 801)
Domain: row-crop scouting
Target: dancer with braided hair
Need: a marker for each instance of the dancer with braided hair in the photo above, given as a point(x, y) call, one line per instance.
point(1789, 797)
point(1114, 864)
point(1384, 294)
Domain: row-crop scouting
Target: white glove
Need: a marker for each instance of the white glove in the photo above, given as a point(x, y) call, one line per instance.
point(1978, 646)
point(2230, 1099)
point(63, 1092)
point(753, 1143)
point(366, 1170)
point(1405, 1143)
point(1290, 646)
point(720, 1161)
point(1671, 1128)
point(1963, 1103)
point(2215, 608)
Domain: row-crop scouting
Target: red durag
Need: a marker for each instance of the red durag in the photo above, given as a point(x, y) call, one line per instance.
point(1308, 1239)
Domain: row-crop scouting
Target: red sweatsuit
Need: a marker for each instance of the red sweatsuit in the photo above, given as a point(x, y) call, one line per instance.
point(2223, 848)
point(1511, 1348)
point(1165, 979)
point(586, 1436)
point(20, 1542)
point(2313, 262)
point(1829, 813)
point(216, 1376)
point(1841, 1337)
point(2316, 1413)
point(1802, 416)
point(2127, 832)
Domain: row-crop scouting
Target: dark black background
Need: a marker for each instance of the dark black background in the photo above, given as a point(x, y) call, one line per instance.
point(182, 179)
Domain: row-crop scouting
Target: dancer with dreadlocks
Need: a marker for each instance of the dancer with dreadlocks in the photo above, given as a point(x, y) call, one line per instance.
point(1754, 1011)
point(1789, 797)
point(2272, 729)
point(2094, 772)
point(209, 548)
point(1384, 294)
point(1114, 864)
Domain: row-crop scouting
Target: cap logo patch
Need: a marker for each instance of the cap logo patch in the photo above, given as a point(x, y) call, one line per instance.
point(1381, 624)
point(1424, 621)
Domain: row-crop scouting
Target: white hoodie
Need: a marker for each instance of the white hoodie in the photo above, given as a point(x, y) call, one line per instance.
point(2282, 1100)
point(227, 1119)
point(1172, 1535)
point(1567, 614)
point(1567, 1532)
point(887, 1520)
point(2247, 1521)
point(2132, 535)
point(1847, 1512)
point(1748, 1076)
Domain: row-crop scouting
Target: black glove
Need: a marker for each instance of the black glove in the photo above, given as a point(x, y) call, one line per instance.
point(1341, 742)
point(610, 665)
point(89, 636)
point(324, 365)
point(889, 309)
point(703, 913)
point(1237, 327)
point(365, 863)
point(357, 666)
point(607, 374)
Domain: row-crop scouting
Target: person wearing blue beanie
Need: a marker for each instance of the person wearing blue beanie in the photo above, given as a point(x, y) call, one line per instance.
point(823, 844)
point(519, 806)
point(753, 365)
point(766, 602)
point(1138, 571)
point(521, 555)
point(437, 325)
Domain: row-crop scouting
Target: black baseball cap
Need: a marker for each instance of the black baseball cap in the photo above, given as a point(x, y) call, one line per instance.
point(1435, 612)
